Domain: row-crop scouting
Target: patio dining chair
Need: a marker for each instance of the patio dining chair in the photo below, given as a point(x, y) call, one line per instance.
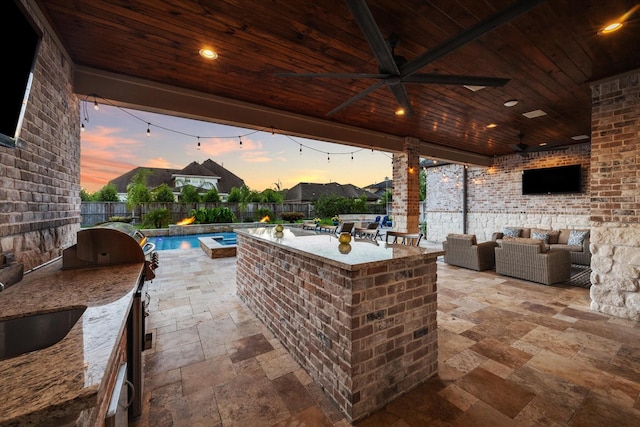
point(397, 237)
point(346, 227)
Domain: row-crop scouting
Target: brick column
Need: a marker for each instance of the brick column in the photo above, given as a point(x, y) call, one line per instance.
point(406, 188)
point(615, 200)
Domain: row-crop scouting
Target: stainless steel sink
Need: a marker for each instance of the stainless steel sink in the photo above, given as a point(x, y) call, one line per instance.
point(36, 331)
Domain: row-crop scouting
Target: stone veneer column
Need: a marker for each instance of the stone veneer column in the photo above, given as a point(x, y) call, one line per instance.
point(406, 188)
point(615, 196)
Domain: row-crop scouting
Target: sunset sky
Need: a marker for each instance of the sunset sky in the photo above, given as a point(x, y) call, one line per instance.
point(115, 141)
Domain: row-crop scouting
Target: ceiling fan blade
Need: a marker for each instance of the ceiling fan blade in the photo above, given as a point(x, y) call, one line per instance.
point(335, 75)
point(401, 95)
point(446, 79)
point(363, 17)
point(519, 147)
point(359, 96)
point(516, 9)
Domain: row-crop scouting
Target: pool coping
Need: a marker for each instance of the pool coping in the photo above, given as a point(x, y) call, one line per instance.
point(214, 249)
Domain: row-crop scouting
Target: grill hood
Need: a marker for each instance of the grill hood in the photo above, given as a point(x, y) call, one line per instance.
point(110, 243)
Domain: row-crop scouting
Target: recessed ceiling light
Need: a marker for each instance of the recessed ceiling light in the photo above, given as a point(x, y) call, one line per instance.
point(510, 103)
point(533, 114)
point(492, 125)
point(400, 112)
point(614, 26)
point(208, 53)
point(580, 137)
point(474, 88)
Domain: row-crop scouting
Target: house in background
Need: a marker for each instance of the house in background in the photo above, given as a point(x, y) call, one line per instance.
point(203, 177)
point(310, 192)
point(380, 188)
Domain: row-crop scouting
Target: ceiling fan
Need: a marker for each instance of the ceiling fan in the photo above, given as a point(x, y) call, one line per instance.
point(395, 71)
point(524, 149)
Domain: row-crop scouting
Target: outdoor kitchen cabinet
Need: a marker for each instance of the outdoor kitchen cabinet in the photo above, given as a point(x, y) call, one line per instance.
point(58, 384)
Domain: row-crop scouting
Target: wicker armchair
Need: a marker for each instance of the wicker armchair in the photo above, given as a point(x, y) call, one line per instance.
point(528, 261)
point(462, 250)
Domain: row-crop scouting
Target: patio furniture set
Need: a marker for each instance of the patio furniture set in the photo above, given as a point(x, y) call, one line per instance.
point(537, 255)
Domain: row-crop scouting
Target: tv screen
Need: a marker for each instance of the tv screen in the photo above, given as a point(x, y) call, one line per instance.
point(20, 41)
point(555, 180)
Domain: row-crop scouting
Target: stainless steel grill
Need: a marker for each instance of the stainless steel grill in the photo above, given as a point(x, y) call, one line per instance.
point(116, 243)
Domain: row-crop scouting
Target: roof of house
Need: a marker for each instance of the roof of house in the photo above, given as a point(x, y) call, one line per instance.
point(306, 191)
point(158, 176)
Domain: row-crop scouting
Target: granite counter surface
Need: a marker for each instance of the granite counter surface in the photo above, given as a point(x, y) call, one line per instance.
point(358, 254)
point(60, 381)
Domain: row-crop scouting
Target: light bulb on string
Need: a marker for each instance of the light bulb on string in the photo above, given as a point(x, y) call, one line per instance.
point(95, 104)
point(273, 131)
point(240, 138)
point(82, 129)
point(352, 156)
point(198, 143)
point(301, 149)
point(148, 129)
point(328, 158)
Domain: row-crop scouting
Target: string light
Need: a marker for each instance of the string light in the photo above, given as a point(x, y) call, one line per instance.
point(271, 129)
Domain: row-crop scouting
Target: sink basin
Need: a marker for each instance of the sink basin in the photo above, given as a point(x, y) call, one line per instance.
point(36, 331)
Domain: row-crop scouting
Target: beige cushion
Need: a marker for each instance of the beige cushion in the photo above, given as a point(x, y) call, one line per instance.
point(563, 237)
point(470, 237)
point(527, 241)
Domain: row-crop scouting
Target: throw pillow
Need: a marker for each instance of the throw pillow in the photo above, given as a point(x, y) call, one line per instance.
point(540, 236)
point(576, 237)
point(511, 232)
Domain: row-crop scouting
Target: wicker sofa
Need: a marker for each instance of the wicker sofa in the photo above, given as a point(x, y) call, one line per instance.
point(574, 241)
point(529, 259)
point(463, 250)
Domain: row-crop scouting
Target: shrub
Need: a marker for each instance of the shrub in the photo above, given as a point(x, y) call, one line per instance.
point(212, 215)
point(291, 216)
point(157, 218)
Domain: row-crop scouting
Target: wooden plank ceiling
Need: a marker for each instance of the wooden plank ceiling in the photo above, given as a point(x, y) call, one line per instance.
point(550, 54)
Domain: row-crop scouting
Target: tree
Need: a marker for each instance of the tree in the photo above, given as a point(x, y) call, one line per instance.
point(272, 196)
point(423, 185)
point(211, 196)
point(189, 194)
point(137, 190)
point(163, 193)
point(108, 193)
point(84, 195)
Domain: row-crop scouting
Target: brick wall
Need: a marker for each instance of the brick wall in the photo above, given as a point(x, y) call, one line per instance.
point(495, 200)
point(40, 181)
point(615, 195)
point(365, 335)
point(406, 188)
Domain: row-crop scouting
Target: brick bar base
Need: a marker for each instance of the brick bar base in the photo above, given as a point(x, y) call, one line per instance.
point(366, 332)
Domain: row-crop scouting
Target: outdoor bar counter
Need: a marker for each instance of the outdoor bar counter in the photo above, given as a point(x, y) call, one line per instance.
point(359, 317)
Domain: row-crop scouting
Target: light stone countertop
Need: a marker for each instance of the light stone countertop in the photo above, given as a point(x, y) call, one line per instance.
point(65, 378)
point(358, 254)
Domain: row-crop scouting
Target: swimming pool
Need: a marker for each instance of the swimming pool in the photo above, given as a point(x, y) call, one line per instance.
point(189, 241)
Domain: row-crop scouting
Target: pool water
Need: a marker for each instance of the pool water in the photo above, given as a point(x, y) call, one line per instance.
point(191, 240)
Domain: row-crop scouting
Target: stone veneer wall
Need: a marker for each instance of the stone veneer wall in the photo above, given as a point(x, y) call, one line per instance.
point(366, 336)
point(615, 195)
point(40, 180)
point(495, 200)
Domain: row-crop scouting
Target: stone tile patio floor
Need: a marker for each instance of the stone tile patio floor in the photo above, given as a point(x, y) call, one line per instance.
point(511, 353)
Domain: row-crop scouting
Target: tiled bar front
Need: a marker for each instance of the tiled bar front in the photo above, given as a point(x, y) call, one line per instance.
point(365, 331)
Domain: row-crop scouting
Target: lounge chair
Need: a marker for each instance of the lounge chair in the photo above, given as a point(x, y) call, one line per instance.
point(346, 227)
point(384, 221)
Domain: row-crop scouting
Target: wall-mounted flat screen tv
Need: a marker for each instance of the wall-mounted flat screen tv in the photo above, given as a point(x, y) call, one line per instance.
point(18, 50)
point(554, 180)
